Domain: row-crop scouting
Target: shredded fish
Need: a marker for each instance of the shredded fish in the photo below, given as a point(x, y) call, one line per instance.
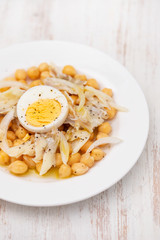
point(49, 155)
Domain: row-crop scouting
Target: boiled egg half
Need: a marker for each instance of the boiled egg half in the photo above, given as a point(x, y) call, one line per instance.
point(42, 108)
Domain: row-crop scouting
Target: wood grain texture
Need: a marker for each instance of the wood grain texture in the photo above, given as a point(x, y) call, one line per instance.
point(129, 31)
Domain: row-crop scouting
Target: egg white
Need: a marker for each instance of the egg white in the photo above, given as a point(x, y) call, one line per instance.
point(33, 95)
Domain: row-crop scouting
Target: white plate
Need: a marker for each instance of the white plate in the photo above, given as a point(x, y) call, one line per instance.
point(132, 126)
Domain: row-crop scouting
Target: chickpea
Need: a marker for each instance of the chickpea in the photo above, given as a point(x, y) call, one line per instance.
point(58, 160)
point(93, 83)
point(101, 135)
point(74, 98)
point(43, 67)
point(86, 146)
point(20, 74)
point(74, 158)
point(38, 166)
point(4, 158)
point(111, 113)
point(17, 142)
point(105, 128)
point(69, 70)
point(91, 136)
point(108, 91)
point(13, 159)
point(36, 83)
point(87, 159)
point(80, 77)
point(45, 75)
point(18, 167)
point(64, 171)
point(21, 132)
point(28, 160)
point(33, 73)
point(97, 154)
point(10, 144)
point(79, 169)
point(11, 135)
point(10, 79)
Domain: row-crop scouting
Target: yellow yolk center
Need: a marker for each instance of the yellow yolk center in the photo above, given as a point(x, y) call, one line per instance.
point(43, 112)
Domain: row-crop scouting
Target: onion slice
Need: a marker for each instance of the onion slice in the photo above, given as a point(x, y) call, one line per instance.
point(4, 84)
point(9, 98)
point(26, 148)
point(105, 140)
point(64, 148)
point(5, 125)
point(72, 88)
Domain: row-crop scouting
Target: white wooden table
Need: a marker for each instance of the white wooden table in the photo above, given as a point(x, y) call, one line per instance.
point(129, 31)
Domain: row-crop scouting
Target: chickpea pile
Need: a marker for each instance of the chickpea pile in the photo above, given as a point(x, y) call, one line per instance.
point(78, 163)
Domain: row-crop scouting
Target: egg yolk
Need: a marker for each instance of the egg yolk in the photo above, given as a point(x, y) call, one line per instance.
point(43, 112)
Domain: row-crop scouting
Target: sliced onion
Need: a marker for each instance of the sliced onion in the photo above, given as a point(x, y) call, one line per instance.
point(81, 95)
point(84, 115)
point(59, 82)
point(68, 97)
point(105, 140)
point(98, 93)
point(72, 88)
point(87, 126)
point(70, 121)
point(90, 96)
point(59, 85)
point(25, 148)
point(64, 148)
point(70, 104)
point(4, 84)
point(4, 125)
point(11, 93)
point(9, 98)
point(119, 108)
